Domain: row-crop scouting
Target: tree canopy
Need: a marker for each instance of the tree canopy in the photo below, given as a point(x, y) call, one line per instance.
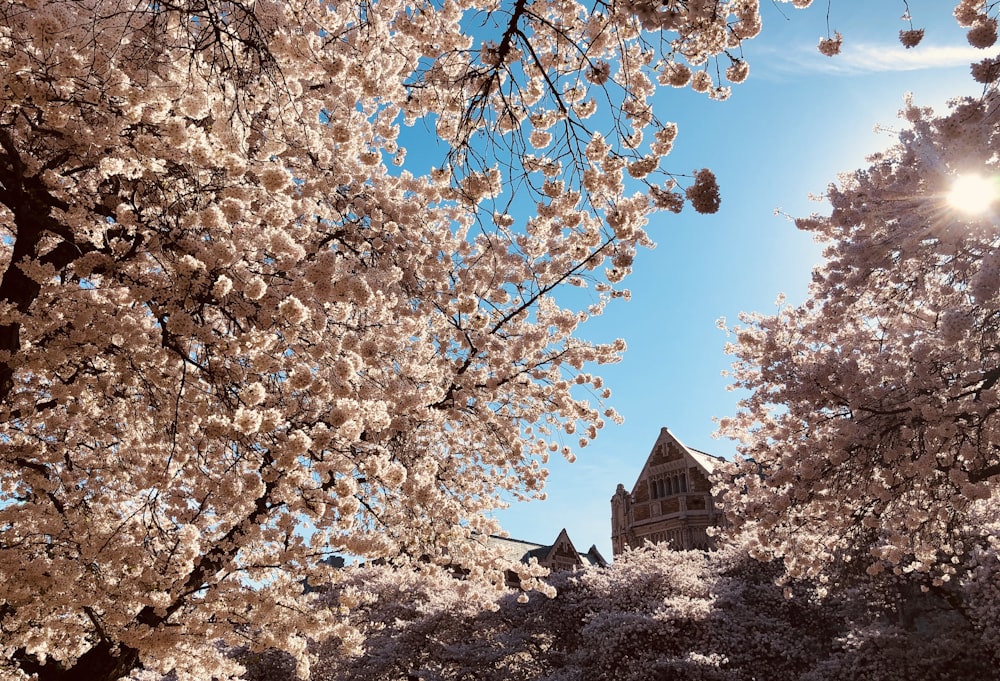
point(240, 330)
point(655, 614)
point(871, 432)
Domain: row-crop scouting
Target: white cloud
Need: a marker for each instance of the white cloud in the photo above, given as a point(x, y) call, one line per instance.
point(898, 58)
point(869, 58)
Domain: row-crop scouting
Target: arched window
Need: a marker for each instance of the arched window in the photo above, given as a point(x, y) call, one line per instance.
point(684, 483)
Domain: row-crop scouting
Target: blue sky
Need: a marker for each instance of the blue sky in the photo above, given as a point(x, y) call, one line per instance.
point(799, 120)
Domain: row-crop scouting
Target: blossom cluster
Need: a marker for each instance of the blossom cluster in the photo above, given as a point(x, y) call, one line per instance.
point(868, 439)
point(240, 332)
point(704, 193)
point(654, 613)
point(911, 38)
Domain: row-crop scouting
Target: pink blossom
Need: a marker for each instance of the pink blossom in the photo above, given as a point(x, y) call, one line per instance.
point(911, 38)
point(831, 46)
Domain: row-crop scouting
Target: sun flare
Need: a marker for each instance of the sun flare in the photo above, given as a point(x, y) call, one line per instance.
point(972, 194)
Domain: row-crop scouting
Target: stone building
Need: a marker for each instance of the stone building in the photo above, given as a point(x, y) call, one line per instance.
point(557, 556)
point(670, 502)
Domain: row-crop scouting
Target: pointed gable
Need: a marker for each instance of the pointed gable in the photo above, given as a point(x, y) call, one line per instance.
point(561, 555)
point(671, 500)
point(593, 557)
point(669, 453)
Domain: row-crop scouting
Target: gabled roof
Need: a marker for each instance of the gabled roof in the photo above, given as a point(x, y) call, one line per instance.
point(562, 545)
point(706, 460)
point(668, 448)
point(594, 556)
point(518, 550)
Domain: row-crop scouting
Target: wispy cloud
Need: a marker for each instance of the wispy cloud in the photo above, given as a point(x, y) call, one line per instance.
point(877, 58)
point(858, 58)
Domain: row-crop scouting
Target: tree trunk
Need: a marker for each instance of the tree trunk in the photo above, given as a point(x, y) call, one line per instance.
point(103, 662)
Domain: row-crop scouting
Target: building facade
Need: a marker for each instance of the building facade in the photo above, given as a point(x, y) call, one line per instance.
point(671, 502)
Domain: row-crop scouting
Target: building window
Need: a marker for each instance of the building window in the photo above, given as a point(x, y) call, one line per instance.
point(668, 486)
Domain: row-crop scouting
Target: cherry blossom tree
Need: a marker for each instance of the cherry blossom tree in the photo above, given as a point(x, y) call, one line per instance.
point(870, 433)
point(240, 331)
point(868, 439)
point(656, 613)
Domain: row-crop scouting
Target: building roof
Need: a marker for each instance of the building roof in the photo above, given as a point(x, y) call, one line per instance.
point(667, 439)
point(519, 550)
point(704, 459)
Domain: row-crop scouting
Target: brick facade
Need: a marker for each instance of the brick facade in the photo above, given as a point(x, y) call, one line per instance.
point(670, 502)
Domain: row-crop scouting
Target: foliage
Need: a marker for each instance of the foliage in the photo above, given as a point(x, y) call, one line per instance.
point(656, 613)
point(239, 330)
point(872, 418)
point(868, 437)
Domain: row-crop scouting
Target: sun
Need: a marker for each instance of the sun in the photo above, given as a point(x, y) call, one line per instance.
point(972, 194)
